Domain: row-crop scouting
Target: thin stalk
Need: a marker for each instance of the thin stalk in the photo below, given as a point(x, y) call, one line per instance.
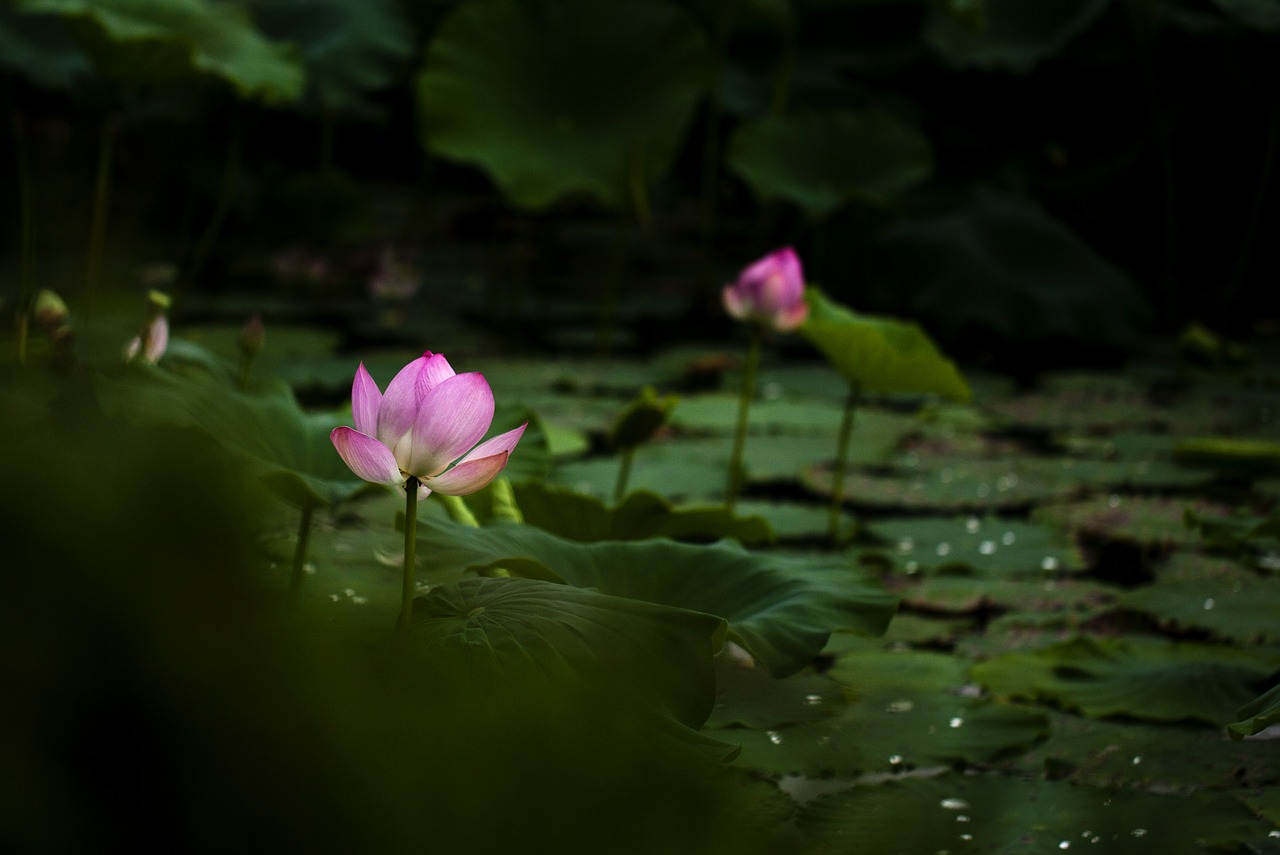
point(842, 460)
point(409, 583)
point(458, 510)
point(744, 405)
point(221, 209)
point(22, 162)
point(101, 200)
point(624, 473)
point(300, 554)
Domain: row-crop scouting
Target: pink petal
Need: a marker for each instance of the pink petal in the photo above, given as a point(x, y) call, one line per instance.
point(468, 477)
point(157, 339)
point(495, 445)
point(365, 456)
point(404, 395)
point(452, 417)
point(792, 317)
point(365, 398)
point(735, 303)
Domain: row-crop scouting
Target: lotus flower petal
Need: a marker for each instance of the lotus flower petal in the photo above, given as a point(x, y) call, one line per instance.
point(399, 404)
point(365, 399)
point(453, 416)
point(769, 291)
point(468, 477)
point(365, 456)
point(502, 442)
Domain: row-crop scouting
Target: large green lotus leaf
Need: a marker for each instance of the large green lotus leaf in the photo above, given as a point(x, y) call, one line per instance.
point(560, 640)
point(1002, 269)
point(1258, 14)
point(904, 710)
point(754, 698)
point(821, 160)
point(555, 97)
point(1135, 519)
point(780, 609)
point(290, 447)
point(1140, 678)
point(1171, 757)
point(349, 49)
point(1257, 715)
point(989, 548)
point(880, 354)
point(1235, 605)
point(985, 813)
point(216, 38)
point(639, 516)
point(1012, 35)
point(40, 48)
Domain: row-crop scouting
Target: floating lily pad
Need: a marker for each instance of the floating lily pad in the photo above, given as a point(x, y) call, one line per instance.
point(795, 520)
point(975, 546)
point(954, 813)
point(640, 515)
point(1170, 757)
point(1257, 715)
point(962, 595)
point(1230, 454)
point(1135, 519)
point(1147, 679)
point(679, 472)
point(821, 160)
point(905, 710)
point(780, 609)
point(754, 698)
point(1235, 605)
point(614, 89)
point(961, 485)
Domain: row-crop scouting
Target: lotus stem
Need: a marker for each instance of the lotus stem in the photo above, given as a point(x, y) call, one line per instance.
point(408, 582)
point(744, 406)
point(624, 473)
point(842, 461)
point(300, 554)
point(101, 200)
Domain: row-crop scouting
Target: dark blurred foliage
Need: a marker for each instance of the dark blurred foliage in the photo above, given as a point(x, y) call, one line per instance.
point(1151, 134)
point(156, 699)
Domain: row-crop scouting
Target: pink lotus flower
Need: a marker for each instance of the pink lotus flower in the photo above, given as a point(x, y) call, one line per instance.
point(770, 292)
point(428, 418)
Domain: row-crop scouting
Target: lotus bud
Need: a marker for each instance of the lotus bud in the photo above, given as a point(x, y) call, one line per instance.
point(643, 417)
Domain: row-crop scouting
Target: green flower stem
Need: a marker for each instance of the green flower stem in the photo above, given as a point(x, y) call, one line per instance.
point(246, 371)
point(744, 405)
point(409, 584)
point(300, 554)
point(101, 203)
point(842, 458)
point(624, 473)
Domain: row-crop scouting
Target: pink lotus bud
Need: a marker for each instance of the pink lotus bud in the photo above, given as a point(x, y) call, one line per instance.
point(770, 292)
point(423, 427)
point(151, 343)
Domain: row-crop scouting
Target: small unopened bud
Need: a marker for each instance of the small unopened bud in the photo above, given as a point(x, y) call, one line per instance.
point(158, 300)
point(253, 335)
point(49, 310)
point(642, 418)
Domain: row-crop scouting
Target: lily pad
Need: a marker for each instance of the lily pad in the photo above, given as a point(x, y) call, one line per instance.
point(821, 160)
point(880, 354)
point(780, 609)
point(955, 813)
point(1147, 679)
point(904, 710)
point(640, 515)
point(1142, 520)
point(975, 546)
point(1235, 606)
point(556, 98)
